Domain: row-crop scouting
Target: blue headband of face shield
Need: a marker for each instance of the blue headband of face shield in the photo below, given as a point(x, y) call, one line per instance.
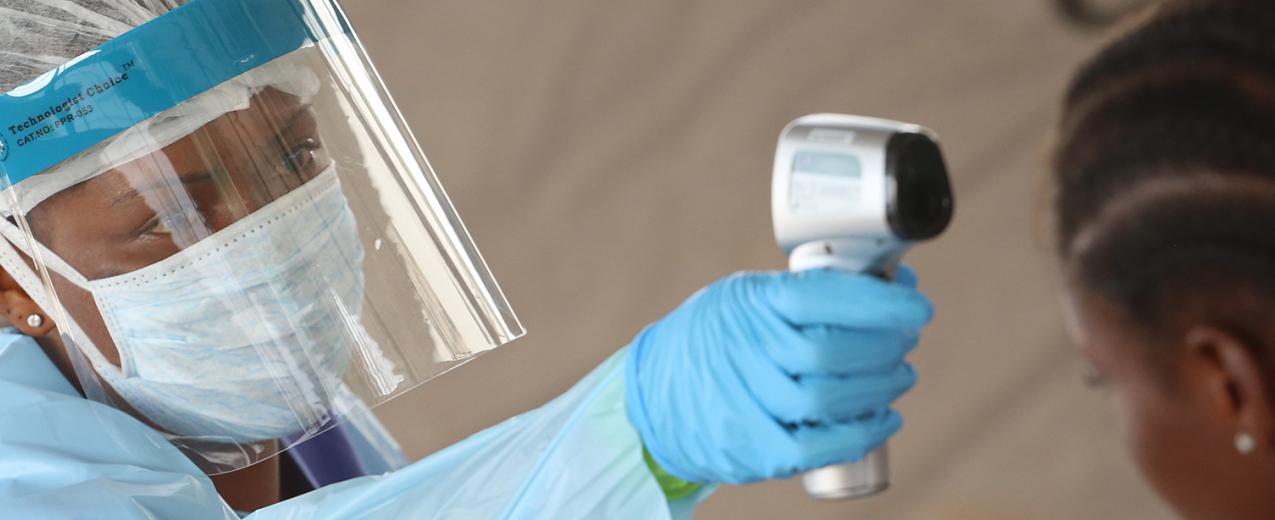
point(145, 72)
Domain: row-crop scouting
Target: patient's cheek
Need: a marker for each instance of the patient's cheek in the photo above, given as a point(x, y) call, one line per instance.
point(1141, 439)
point(1169, 445)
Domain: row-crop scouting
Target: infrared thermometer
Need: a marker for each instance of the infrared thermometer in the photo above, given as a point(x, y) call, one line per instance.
point(854, 193)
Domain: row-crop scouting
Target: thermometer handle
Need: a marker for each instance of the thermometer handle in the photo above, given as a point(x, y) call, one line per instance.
point(851, 480)
point(871, 475)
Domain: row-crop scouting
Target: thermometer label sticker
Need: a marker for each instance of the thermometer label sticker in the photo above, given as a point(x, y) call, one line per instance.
point(824, 183)
point(830, 136)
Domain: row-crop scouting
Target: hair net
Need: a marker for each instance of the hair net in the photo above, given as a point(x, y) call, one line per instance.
point(37, 36)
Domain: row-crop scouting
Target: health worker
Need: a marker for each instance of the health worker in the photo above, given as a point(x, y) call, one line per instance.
point(235, 251)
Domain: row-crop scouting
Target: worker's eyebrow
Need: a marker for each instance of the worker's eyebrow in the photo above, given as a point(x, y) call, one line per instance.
point(301, 121)
point(304, 114)
point(134, 191)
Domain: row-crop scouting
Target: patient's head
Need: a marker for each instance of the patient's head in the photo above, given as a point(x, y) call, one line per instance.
point(1165, 211)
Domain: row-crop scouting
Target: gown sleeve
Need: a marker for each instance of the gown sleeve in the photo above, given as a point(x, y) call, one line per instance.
point(577, 457)
point(574, 458)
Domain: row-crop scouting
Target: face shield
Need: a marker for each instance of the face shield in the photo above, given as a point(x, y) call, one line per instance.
point(237, 236)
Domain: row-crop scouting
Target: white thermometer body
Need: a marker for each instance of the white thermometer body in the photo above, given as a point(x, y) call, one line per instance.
point(854, 193)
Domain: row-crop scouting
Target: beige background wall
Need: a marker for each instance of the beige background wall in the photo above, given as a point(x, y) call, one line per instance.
point(612, 157)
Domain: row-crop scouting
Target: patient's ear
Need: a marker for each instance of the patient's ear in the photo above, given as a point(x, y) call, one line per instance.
point(1230, 377)
point(21, 311)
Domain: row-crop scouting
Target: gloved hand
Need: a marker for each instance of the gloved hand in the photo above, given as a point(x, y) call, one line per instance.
point(762, 376)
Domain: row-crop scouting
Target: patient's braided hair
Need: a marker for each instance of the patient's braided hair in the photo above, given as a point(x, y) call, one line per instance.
point(1165, 168)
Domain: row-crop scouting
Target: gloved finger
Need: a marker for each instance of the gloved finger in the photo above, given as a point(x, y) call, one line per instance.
point(906, 276)
point(828, 399)
point(779, 395)
point(821, 349)
point(855, 301)
point(827, 444)
point(832, 399)
point(843, 399)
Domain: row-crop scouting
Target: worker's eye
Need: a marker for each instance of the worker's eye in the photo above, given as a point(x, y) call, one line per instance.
point(160, 224)
point(301, 157)
point(165, 223)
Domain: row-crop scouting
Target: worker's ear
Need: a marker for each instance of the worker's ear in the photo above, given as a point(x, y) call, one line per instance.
point(18, 307)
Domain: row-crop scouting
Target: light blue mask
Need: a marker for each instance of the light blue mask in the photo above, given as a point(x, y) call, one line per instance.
point(245, 335)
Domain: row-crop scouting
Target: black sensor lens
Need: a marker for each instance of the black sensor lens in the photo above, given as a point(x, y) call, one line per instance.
point(921, 205)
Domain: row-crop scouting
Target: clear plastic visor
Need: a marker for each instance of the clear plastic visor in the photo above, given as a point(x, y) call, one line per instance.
point(244, 270)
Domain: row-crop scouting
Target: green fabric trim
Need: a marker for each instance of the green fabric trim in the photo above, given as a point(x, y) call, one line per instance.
point(674, 488)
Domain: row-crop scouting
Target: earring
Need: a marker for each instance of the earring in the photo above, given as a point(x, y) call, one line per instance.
point(35, 321)
point(1244, 443)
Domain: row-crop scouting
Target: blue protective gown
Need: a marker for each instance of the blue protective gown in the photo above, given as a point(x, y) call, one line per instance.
point(63, 456)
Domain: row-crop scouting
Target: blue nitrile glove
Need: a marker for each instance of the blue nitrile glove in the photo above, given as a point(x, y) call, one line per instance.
point(761, 376)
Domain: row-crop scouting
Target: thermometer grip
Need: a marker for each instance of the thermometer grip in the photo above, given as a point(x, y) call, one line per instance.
point(871, 475)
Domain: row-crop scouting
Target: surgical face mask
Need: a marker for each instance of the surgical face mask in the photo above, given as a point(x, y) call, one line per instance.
point(241, 337)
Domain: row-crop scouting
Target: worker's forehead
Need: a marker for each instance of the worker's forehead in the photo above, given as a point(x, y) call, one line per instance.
point(231, 138)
